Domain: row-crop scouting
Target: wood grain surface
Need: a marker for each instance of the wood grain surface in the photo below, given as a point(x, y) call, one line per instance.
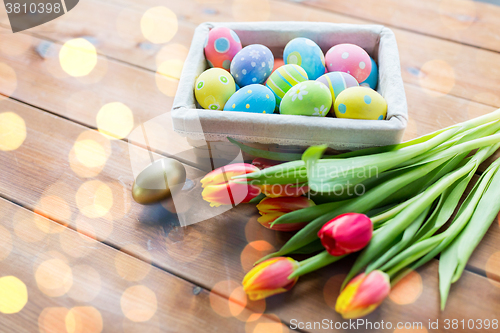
point(66, 189)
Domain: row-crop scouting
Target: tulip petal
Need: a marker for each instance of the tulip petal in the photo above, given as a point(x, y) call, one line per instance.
point(363, 295)
point(270, 277)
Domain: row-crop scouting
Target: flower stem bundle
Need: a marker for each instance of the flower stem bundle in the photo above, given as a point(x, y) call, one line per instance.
point(390, 203)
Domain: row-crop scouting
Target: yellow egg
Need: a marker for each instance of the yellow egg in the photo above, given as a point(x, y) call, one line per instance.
point(360, 103)
point(213, 88)
point(157, 181)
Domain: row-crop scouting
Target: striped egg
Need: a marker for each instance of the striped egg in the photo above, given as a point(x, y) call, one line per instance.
point(337, 82)
point(283, 79)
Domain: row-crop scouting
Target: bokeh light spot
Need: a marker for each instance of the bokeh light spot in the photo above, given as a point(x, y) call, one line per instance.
point(438, 77)
point(78, 57)
point(115, 120)
point(52, 320)
point(75, 246)
point(139, 303)
point(253, 251)
point(12, 131)
point(331, 290)
point(86, 283)
point(159, 25)
point(55, 208)
point(168, 75)
point(408, 289)
point(130, 268)
point(54, 277)
point(89, 154)
point(5, 243)
point(84, 319)
point(13, 295)
point(173, 51)
point(492, 269)
point(26, 226)
point(228, 299)
point(94, 198)
point(8, 81)
point(270, 323)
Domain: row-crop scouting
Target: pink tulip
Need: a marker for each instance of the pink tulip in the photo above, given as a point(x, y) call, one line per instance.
point(346, 233)
point(363, 295)
point(270, 277)
point(218, 189)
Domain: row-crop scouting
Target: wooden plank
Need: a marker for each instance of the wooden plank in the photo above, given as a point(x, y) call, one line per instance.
point(215, 252)
point(467, 22)
point(77, 284)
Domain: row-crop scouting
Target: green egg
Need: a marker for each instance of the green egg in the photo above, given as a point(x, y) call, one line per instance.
point(309, 98)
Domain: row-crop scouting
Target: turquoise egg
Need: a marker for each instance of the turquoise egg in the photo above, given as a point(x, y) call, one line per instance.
point(307, 54)
point(253, 98)
point(372, 79)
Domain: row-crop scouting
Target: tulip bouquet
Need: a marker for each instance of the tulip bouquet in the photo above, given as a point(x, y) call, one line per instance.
point(390, 203)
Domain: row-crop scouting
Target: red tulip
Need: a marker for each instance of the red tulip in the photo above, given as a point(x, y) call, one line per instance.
point(346, 233)
point(270, 277)
point(272, 208)
point(363, 295)
point(220, 190)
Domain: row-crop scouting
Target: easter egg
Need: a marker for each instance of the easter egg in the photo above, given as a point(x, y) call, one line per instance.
point(157, 181)
point(221, 46)
point(349, 58)
point(253, 64)
point(360, 103)
point(307, 54)
point(309, 98)
point(253, 98)
point(213, 88)
point(337, 82)
point(284, 78)
point(372, 79)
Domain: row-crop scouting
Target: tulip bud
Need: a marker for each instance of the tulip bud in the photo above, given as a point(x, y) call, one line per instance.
point(270, 277)
point(287, 190)
point(264, 163)
point(220, 190)
point(346, 233)
point(272, 208)
point(363, 295)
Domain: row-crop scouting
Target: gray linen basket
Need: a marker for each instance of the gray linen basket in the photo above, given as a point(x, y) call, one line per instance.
point(288, 132)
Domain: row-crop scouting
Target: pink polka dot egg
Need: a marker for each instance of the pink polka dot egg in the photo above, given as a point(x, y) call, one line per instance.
point(351, 59)
point(221, 46)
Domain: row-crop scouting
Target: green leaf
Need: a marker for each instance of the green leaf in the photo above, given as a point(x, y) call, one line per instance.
point(313, 153)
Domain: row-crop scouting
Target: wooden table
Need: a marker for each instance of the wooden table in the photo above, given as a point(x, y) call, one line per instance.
point(93, 260)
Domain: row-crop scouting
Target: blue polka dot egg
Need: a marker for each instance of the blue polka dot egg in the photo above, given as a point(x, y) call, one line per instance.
point(253, 98)
point(360, 103)
point(307, 54)
point(252, 65)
